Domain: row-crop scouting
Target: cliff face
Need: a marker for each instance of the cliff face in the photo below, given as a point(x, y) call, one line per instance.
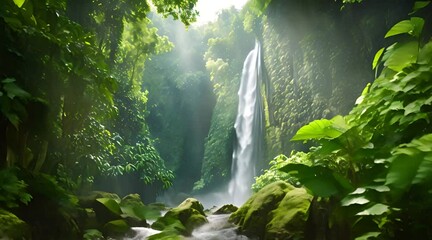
point(318, 58)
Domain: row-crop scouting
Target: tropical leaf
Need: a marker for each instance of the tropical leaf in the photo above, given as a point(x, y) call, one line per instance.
point(19, 3)
point(414, 26)
point(350, 200)
point(376, 209)
point(322, 128)
point(320, 180)
point(399, 56)
point(411, 163)
point(377, 58)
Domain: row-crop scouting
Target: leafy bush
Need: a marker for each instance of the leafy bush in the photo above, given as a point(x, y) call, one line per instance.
point(13, 191)
point(376, 162)
point(273, 174)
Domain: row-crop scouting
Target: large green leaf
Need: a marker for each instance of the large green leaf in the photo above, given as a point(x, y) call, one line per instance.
point(350, 200)
point(321, 181)
point(413, 27)
point(377, 58)
point(377, 209)
point(19, 3)
point(399, 56)
point(411, 164)
point(322, 128)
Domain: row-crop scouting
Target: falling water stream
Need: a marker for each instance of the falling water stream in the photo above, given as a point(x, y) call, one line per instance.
point(247, 152)
point(248, 127)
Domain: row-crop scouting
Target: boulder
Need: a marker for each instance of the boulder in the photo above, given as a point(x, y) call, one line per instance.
point(226, 209)
point(288, 220)
point(278, 211)
point(96, 213)
point(253, 216)
point(11, 227)
point(182, 219)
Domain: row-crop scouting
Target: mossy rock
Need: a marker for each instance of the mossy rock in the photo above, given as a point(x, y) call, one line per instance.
point(87, 201)
point(132, 199)
point(226, 209)
point(183, 218)
point(253, 216)
point(11, 227)
point(288, 220)
point(131, 206)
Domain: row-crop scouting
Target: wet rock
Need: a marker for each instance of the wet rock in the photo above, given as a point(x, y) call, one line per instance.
point(182, 219)
point(278, 211)
point(252, 217)
point(226, 209)
point(288, 220)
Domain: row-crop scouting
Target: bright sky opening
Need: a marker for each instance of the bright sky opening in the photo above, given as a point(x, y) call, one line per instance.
point(209, 9)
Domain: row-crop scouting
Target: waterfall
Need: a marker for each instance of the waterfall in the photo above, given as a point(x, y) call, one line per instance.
point(248, 127)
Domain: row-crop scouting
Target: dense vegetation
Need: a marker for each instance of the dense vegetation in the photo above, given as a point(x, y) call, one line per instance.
point(372, 166)
point(119, 96)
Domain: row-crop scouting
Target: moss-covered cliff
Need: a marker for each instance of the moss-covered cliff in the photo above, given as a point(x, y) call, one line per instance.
point(318, 56)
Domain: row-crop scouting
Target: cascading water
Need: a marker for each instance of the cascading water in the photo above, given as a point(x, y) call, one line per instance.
point(249, 128)
point(247, 153)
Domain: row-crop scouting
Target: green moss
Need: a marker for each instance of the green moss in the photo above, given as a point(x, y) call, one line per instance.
point(253, 216)
point(182, 219)
point(288, 220)
point(11, 227)
point(226, 209)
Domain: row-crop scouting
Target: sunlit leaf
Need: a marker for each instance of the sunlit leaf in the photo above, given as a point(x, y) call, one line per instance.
point(377, 209)
point(381, 188)
point(350, 200)
point(19, 3)
point(368, 235)
point(359, 191)
point(377, 58)
point(414, 26)
point(322, 128)
point(404, 26)
point(401, 55)
point(413, 107)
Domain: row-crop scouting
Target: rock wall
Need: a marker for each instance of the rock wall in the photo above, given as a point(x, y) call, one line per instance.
point(318, 58)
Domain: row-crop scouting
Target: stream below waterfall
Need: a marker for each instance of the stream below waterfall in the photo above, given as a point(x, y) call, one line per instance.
point(218, 228)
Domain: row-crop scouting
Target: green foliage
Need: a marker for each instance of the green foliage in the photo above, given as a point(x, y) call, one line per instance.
point(12, 101)
point(272, 174)
point(382, 156)
point(92, 234)
point(13, 190)
point(411, 164)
